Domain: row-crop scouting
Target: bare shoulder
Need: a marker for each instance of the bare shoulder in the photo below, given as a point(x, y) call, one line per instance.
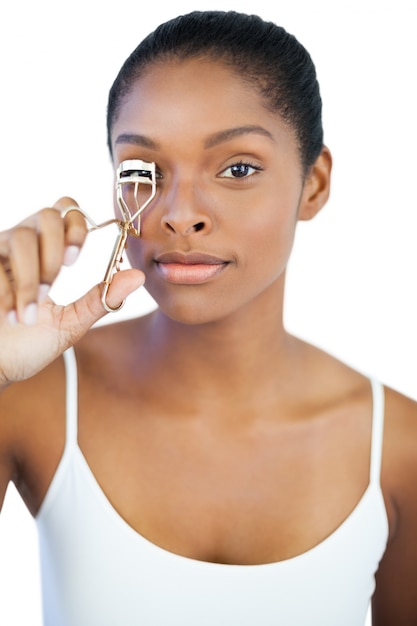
point(395, 600)
point(399, 462)
point(399, 468)
point(400, 408)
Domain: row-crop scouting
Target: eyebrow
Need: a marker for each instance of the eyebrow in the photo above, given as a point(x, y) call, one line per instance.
point(137, 140)
point(230, 133)
point(213, 140)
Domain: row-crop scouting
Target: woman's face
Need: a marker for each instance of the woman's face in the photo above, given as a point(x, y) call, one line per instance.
point(218, 234)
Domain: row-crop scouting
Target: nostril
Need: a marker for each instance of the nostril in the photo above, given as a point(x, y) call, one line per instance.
point(182, 228)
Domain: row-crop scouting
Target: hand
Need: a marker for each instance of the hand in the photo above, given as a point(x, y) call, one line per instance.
point(33, 329)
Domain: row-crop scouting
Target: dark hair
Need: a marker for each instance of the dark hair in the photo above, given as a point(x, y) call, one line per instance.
point(260, 52)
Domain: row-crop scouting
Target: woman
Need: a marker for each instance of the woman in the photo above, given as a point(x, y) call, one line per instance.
point(211, 468)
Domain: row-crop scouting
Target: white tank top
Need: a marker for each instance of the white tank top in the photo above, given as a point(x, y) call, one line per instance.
point(98, 571)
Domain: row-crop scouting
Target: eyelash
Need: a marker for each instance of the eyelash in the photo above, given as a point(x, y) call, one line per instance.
point(239, 164)
point(245, 164)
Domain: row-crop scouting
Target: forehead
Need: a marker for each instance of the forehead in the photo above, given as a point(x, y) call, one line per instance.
point(191, 98)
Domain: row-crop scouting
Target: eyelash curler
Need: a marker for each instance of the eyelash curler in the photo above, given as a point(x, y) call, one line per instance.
point(130, 174)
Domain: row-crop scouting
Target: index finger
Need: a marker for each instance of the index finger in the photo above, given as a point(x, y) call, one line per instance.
point(75, 227)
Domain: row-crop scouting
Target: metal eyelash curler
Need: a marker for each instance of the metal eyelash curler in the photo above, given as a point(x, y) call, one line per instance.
point(130, 173)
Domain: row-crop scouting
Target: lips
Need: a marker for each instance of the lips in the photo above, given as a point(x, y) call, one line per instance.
point(193, 268)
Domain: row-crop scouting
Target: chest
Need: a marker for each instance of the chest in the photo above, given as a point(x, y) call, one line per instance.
point(262, 492)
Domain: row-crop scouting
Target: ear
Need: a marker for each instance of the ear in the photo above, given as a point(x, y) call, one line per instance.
point(316, 186)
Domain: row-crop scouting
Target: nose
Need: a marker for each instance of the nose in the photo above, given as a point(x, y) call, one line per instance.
point(185, 211)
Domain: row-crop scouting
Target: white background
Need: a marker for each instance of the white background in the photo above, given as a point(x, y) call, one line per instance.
point(351, 285)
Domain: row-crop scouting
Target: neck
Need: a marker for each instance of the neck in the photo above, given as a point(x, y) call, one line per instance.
point(248, 350)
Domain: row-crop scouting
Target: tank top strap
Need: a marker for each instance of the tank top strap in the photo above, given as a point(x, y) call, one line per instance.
point(377, 414)
point(71, 398)
point(377, 431)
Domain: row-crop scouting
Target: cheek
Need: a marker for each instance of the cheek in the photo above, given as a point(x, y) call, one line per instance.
point(134, 253)
point(116, 209)
point(131, 199)
point(271, 232)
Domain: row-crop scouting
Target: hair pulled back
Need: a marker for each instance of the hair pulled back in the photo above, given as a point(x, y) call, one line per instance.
point(261, 53)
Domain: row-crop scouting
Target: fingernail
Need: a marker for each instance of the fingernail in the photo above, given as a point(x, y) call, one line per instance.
point(71, 254)
point(30, 315)
point(12, 318)
point(43, 292)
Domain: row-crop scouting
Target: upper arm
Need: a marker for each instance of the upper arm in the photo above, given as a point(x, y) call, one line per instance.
point(395, 598)
point(8, 466)
point(32, 433)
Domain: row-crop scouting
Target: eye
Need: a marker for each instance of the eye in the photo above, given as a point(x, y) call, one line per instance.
point(158, 172)
point(240, 170)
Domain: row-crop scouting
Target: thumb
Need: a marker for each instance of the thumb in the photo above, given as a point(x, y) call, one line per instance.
point(122, 285)
point(79, 316)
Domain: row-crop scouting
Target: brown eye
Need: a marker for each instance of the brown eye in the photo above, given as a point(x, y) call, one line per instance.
point(240, 170)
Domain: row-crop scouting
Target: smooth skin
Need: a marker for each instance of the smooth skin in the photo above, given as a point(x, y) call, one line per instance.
point(212, 431)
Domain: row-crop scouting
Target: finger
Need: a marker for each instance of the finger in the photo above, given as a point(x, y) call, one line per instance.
point(4, 245)
point(122, 285)
point(50, 228)
point(83, 313)
point(24, 272)
point(7, 300)
point(75, 228)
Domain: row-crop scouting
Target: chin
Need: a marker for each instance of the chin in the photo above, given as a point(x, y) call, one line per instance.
point(191, 315)
point(192, 307)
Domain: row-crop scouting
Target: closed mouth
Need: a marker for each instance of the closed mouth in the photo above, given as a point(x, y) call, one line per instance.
point(189, 269)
